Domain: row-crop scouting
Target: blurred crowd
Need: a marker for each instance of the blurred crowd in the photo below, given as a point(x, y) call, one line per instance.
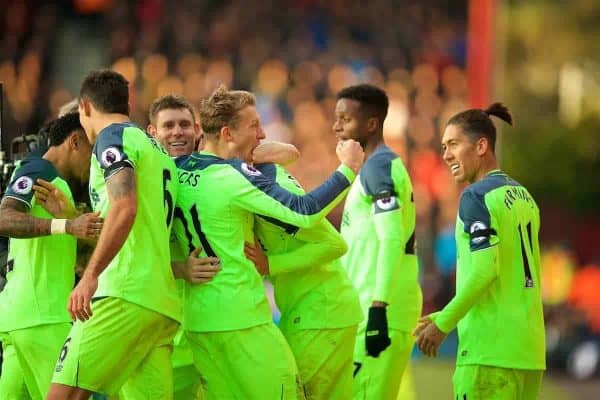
point(294, 55)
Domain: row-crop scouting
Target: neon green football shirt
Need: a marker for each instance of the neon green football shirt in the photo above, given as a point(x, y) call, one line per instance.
point(498, 304)
point(215, 208)
point(378, 225)
point(312, 290)
point(40, 271)
point(141, 271)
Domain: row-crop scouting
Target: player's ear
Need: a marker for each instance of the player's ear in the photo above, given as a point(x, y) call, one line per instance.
point(85, 107)
point(73, 140)
point(151, 129)
point(226, 134)
point(482, 146)
point(200, 141)
point(372, 124)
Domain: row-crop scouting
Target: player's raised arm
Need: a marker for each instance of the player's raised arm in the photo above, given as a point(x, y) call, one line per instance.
point(264, 196)
point(275, 152)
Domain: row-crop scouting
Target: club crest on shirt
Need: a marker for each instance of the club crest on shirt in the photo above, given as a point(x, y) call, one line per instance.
point(250, 170)
point(477, 226)
point(387, 203)
point(110, 156)
point(23, 185)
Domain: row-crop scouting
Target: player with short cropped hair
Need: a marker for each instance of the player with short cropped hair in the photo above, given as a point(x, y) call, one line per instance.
point(126, 303)
point(219, 194)
point(41, 260)
point(173, 124)
point(319, 306)
point(378, 224)
point(498, 306)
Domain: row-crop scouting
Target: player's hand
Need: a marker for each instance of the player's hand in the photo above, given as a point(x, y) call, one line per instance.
point(81, 298)
point(54, 200)
point(200, 269)
point(429, 337)
point(86, 226)
point(257, 255)
point(422, 324)
point(377, 338)
point(350, 154)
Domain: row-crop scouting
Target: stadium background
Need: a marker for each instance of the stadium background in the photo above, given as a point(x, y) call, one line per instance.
point(433, 57)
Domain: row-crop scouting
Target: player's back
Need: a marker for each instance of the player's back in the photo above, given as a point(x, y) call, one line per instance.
point(40, 270)
point(319, 296)
point(506, 327)
point(141, 270)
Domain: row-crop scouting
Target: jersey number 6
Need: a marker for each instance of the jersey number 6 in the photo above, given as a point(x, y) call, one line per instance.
point(168, 198)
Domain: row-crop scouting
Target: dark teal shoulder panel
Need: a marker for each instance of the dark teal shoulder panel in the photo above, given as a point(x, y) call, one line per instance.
point(197, 161)
point(109, 151)
point(21, 185)
point(474, 212)
point(376, 173)
point(492, 181)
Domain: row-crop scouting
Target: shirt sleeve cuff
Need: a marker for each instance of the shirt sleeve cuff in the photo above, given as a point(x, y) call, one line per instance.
point(347, 172)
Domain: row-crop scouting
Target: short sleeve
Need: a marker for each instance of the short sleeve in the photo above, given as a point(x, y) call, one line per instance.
point(111, 152)
point(477, 221)
point(21, 185)
point(378, 184)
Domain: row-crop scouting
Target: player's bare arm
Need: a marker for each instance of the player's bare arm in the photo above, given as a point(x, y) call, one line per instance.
point(275, 152)
point(122, 193)
point(17, 223)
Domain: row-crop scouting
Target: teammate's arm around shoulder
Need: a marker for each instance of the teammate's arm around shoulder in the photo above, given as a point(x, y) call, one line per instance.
point(122, 194)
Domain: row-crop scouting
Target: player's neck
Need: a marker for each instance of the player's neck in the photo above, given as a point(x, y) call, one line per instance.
point(104, 120)
point(53, 155)
point(215, 147)
point(372, 145)
point(487, 166)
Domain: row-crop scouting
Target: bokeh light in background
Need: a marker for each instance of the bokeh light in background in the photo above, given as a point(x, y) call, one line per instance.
point(295, 55)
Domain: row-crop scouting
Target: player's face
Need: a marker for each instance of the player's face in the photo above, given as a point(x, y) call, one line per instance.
point(460, 154)
point(349, 121)
point(247, 134)
point(176, 131)
point(81, 153)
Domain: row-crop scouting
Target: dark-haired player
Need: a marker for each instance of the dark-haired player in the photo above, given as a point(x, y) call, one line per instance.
point(34, 320)
point(498, 305)
point(379, 225)
point(125, 334)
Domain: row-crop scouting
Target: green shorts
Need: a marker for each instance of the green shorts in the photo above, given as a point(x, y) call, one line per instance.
point(324, 358)
point(483, 382)
point(380, 378)
point(122, 342)
point(186, 379)
point(30, 357)
point(12, 384)
point(252, 363)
